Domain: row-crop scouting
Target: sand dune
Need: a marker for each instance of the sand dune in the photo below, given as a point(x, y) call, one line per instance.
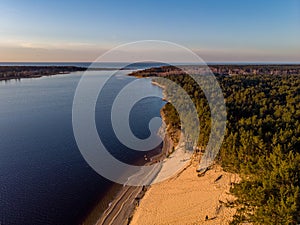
point(187, 199)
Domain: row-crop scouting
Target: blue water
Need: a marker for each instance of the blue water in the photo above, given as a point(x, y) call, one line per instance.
point(43, 177)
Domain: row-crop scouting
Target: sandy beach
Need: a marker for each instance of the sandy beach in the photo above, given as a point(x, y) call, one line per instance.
point(188, 199)
point(178, 195)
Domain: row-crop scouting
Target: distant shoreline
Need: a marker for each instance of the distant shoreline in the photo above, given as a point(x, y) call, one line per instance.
point(19, 72)
point(9, 71)
point(220, 69)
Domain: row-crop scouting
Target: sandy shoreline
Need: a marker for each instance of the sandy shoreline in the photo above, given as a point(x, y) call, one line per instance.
point(120, 210)
point(183, 198)
point(188, 199)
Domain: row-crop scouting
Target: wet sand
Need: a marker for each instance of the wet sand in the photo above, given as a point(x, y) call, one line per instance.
point(122, 207)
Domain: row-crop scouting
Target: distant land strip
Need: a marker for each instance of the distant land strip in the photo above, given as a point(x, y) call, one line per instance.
point(18, 72)
point(221, 70)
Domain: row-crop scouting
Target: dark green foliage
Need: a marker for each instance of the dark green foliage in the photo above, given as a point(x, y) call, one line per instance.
point(262, 142)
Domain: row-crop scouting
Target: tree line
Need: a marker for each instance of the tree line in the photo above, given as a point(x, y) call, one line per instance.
point(262, 140)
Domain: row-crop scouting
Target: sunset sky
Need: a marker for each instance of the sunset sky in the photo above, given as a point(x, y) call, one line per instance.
point(80, 31)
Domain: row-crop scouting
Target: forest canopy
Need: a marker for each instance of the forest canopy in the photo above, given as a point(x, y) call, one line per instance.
point(262, 141)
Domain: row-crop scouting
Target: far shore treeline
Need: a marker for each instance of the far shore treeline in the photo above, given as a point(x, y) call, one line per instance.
point(17, 72)
point(271, 69)
point(262, 140)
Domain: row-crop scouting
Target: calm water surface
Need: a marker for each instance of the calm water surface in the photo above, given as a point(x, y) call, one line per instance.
point(43, 177)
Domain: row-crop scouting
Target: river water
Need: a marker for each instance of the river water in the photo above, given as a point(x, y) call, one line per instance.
point(43, 177)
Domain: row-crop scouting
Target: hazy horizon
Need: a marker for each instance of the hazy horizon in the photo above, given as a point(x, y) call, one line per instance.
point(186, 63)
point(77, 31)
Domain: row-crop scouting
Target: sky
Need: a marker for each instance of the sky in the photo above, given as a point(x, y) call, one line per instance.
point(217, 30)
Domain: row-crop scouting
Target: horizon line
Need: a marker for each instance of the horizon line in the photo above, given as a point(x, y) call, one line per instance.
point(182, 63)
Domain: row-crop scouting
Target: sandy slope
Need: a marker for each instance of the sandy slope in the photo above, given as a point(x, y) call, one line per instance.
point(187, 199)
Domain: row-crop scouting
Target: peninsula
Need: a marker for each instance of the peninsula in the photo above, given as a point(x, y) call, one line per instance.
point(18, 72)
